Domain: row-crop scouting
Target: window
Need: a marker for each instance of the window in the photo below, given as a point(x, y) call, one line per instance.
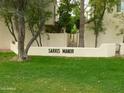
point(120, 6)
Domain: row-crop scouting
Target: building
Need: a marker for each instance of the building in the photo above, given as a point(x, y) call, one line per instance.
point(6, 38)
point(113, 24)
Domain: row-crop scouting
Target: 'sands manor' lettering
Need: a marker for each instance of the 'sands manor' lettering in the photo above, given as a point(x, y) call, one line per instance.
point(59, 51)
point(67, 50)
point(54, 50)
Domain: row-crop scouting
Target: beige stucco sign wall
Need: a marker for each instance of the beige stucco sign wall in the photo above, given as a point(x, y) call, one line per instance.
point(105, 50)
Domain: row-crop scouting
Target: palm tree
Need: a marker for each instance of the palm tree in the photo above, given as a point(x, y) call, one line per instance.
point(82, 22)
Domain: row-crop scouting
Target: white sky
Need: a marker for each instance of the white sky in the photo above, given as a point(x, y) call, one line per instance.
point(86, 2)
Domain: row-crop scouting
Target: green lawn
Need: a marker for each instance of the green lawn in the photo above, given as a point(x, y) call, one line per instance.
point(61, 75)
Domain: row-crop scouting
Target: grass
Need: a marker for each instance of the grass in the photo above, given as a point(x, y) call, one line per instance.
point(61, 75)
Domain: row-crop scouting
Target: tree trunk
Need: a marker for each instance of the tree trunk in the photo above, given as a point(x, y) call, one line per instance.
point(82, 22)
point(21, 38)
point(41, 27)
point(33, 33)
point(16, 23)
point(31, 41)
point(11, 30)
point(96, 39)
point(21, 30)
point(40, 40)
point(123, 38)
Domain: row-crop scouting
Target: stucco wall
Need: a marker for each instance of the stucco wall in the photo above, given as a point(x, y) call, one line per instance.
point(50, 39)
point(105, 50)
point(5, 37)
point(52, 18)
point(112, 26)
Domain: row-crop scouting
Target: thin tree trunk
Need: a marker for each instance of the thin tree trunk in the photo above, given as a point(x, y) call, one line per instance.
point(13, 31)
point(82, 22)
point(10, 26)
point(13, 34)
point(123, 38)
point(96, 33)
point(16, 23)
point(40, 39)
point(33, 33)
point(41, 26)
point(96, 39)
point(31, 41)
